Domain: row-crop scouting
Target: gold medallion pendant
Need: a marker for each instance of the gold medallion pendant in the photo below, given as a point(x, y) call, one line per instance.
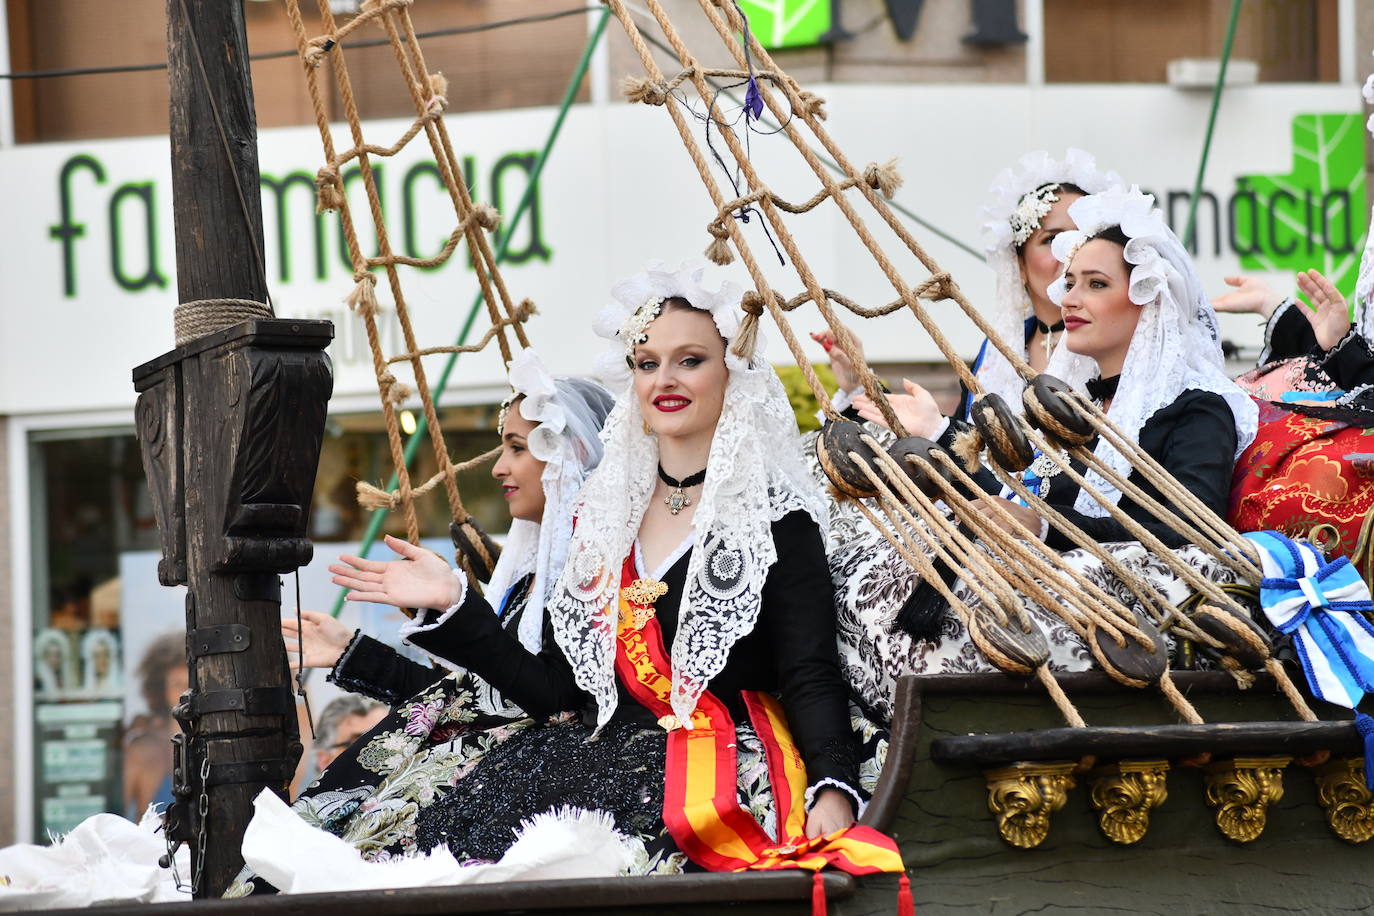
point(640, 595)
point(678, 500)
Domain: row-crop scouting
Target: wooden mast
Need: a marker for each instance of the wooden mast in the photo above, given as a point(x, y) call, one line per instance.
point(230, 425)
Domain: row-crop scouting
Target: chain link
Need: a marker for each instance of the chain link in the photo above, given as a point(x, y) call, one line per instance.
point(204, 811)
point(169, 827)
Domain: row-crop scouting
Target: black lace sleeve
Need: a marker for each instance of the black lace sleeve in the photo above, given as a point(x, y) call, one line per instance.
point(799, 616)
point(1194, 438)
point(374, 669)
point(1350, 363)
point(471, 637)
point(1287, 334)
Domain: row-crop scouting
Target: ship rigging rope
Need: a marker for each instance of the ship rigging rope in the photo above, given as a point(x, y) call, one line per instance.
point(428, 95)
point(915, 528)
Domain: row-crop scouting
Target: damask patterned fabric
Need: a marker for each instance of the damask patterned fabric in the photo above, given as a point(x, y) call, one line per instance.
point(1307, 477)
point(872, 582)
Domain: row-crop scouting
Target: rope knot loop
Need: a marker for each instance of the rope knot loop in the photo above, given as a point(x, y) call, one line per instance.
point(644, 89)
point(370, 497)
point(812, 105)
point(363, 298)
point(885, 179)
point(328, 190)
point(319, 47)
point(753, 304)
point(486, 216)
point(718, 252)
point(438, 95)
point(393, 391)
point(939, 286)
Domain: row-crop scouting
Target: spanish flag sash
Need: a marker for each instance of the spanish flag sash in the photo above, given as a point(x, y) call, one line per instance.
point(701, 806)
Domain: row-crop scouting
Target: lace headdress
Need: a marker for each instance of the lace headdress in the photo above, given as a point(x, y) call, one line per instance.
point(753, 478)
point(1019, 200)
point(1175, 346)
point(569, 413)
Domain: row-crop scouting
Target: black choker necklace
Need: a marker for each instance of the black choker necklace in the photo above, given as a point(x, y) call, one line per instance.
point(1049, 330)
point(677, 500)
point(1101, 389)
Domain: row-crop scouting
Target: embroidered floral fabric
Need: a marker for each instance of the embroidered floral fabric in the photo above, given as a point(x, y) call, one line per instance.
point(1308, 478)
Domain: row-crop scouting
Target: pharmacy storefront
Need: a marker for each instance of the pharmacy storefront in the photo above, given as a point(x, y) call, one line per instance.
point(88, 291)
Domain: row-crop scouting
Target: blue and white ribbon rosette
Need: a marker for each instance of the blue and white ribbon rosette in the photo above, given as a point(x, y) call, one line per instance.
point(1322, 606)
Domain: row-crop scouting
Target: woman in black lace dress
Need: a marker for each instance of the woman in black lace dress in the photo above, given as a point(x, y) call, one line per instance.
point(694, 617)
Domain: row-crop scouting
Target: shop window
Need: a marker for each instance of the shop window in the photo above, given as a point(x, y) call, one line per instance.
point(106, 671)
point(1125, 41)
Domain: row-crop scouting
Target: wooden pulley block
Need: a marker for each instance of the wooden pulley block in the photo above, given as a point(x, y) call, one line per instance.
point(1243, 638)
point(1063, 422)
point(1002, 433)
point(467, 535)
point(837, 439)
point(923, 470)
point(1009, 647)
point(1132, 664)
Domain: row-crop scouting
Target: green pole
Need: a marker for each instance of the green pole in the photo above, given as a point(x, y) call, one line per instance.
point(1190, 230)
point(374, 525)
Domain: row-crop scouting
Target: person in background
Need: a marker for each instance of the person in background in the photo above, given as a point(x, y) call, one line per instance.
point(343, 720)
point(148, 740)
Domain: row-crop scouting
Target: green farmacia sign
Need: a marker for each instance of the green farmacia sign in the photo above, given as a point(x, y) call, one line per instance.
point(1313, 216)
point(787, 23)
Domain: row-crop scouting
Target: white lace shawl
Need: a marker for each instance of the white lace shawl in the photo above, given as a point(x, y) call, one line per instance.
point(754, 476)
point(1175, 346)
point(1011, 306)
point(570, 413)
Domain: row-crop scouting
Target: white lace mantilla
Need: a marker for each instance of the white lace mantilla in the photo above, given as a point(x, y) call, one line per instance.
point(1011, 307)
point(1176, 346)
point(569, 413)
point(754, 476)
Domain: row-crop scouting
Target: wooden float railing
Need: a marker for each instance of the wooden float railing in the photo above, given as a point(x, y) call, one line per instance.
point(1030, 772)
point(584, 895)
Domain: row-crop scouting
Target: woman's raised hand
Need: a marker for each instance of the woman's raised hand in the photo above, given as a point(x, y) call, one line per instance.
point(1331, 320)
point(319, 640)
point(420, 579)
point(1252, 296)
point(846, 374)
point(917, 410)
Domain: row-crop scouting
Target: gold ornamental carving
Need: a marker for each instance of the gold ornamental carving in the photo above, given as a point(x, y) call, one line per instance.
point(1124, 794)
point(1241, 791)
point(1023, 796)
point(1348, 803)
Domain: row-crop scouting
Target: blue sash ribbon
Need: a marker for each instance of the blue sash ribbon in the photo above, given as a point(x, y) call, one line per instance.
point(1323, 606)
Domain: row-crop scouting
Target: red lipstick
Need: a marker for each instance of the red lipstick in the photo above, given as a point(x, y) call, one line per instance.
point(671, 403)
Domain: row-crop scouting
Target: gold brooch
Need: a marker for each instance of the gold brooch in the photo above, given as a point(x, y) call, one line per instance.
point(641, 595)
point(669, 722)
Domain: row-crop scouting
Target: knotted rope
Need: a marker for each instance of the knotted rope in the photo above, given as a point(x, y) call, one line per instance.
point(428, 92)
point(1039, 575)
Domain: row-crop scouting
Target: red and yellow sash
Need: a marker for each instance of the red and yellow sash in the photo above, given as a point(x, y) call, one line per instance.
point(701, 806)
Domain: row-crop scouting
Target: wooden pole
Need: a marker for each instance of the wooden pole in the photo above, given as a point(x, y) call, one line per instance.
point(230, 425)
point(218, 238)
